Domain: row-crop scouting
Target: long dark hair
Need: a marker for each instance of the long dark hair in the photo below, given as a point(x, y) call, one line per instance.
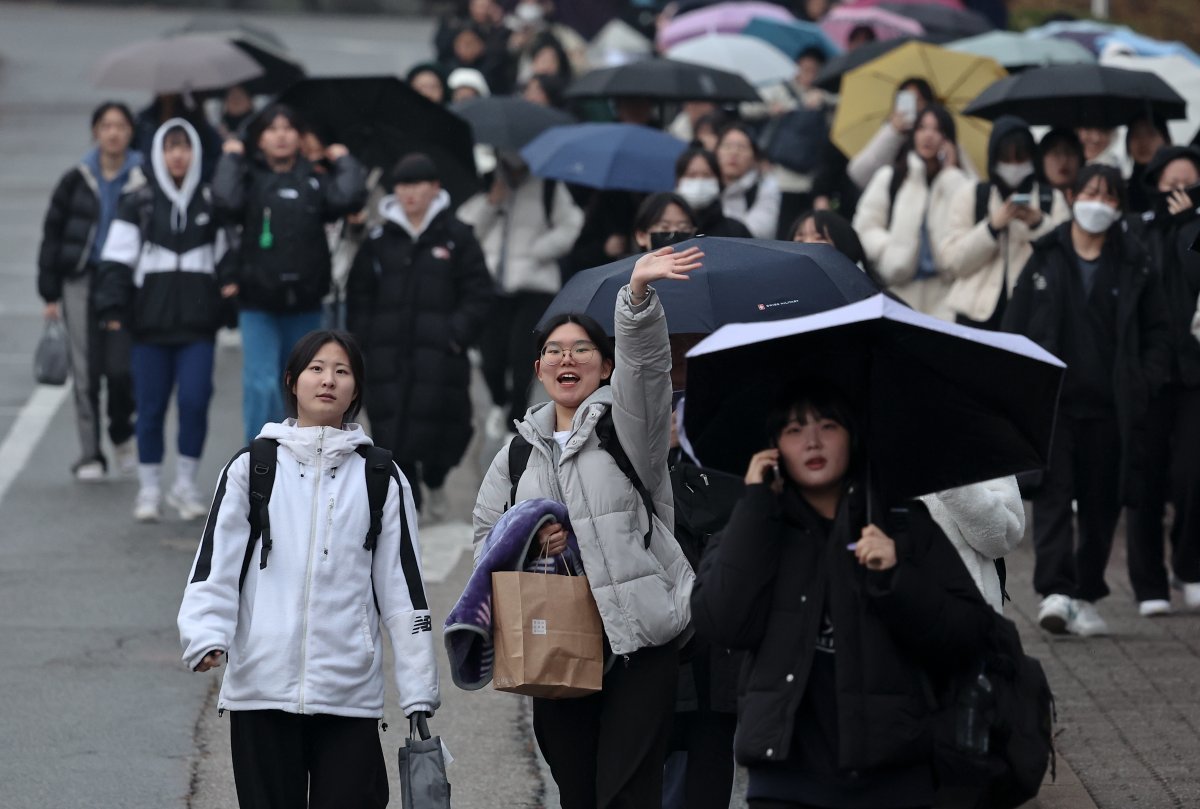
point(653, 207)
point(841, 235)
point(946, 126)
point(99, 112)
point(691, 153)
point(302, 353)
point(594, 330)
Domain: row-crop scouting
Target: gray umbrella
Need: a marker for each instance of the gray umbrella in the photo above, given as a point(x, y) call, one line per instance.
point(175, 65)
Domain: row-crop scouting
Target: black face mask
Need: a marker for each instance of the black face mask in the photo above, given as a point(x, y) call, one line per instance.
point(660, 240)
point(1161, 198)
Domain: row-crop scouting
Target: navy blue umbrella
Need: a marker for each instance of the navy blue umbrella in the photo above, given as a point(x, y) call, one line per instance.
point(611, 157)
point(742, 281)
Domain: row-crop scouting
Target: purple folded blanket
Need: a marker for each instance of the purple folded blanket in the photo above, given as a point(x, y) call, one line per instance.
point(468, 628)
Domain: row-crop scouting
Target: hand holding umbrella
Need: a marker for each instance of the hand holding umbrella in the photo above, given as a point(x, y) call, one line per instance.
point(664, 263)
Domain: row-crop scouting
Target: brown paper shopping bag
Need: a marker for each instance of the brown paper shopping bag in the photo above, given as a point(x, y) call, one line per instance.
point(547, 634)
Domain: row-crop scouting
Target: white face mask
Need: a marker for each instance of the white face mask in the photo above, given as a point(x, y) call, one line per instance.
point(1094, 216)
point(1013, 174)
point(698, 191)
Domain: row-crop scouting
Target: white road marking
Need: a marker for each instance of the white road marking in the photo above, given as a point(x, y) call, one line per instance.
point(441, 546)
point(26, 432)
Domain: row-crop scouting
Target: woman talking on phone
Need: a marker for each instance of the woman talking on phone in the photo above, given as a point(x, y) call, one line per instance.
point(895, 210)
point(843, 628)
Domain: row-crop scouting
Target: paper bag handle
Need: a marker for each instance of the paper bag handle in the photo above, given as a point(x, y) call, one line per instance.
point(418, 723)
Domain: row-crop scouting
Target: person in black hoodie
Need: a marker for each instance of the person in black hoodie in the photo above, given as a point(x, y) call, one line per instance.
point(1144, 137)
point(1173, 423)
point(1089, 296)
point(418, 295)
point(698, 180)
point(845, 622)
point(282, 205)
point(158, 279)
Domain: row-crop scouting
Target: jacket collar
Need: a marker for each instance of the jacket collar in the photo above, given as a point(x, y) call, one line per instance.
point(392, 211)
point(317, 446)
point(742, 184)
point(540, 421)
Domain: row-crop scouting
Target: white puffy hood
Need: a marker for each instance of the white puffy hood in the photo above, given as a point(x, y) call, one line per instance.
point(180, 196)
point(391, 210)
point(304, 442)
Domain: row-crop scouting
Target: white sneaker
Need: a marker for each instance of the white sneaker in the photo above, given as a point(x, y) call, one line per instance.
point(125, 457)
point(497, 423)
point(435, 508)
point(187, 501)
point(1086, 621)
point(1154, 607)
point(1054, 613)
point(1191, 595)
point(145, 507)
point(89, 471)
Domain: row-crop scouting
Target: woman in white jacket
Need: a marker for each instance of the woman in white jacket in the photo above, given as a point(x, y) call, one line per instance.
point(303, 634)
point(608, 749)
point(749, 195)
point(901, 200)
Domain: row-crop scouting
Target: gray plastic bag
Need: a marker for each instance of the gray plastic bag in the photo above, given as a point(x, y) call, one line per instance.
point(423, 783)
point(52, 359)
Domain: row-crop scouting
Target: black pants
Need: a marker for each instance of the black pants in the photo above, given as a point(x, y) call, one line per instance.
point(704, 741)
point(1084, 466)
point(606, 751)
point(1172, 474)
point(433, 475)
point(290, 761)
point(508, 349)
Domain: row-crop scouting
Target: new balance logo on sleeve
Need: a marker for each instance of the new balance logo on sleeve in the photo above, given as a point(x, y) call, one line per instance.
point(423, 623)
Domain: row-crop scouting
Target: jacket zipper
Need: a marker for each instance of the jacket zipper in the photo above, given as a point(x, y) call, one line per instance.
point(328, 525)
point(312, 536)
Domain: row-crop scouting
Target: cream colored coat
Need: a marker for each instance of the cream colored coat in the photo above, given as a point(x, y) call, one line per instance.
point(979, 261)
point(894, 248)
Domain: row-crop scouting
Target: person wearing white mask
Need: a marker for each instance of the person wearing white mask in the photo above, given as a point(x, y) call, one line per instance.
point(698, 181)
point(1090, 295)
point(986, 236)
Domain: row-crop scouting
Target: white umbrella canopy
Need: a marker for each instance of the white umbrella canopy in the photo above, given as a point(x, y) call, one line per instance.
point(1178, 71)
point(757, 61)
point(175, 64)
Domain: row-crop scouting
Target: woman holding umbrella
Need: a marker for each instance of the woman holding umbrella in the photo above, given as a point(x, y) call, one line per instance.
point(842, 628)
point(608, 749)
point(901, 200)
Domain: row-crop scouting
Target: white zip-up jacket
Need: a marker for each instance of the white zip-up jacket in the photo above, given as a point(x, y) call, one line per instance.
point(304, 635)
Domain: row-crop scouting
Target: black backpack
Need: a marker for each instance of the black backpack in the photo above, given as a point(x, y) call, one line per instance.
point(518, 458)
point(379, 470)
point(1019, 716)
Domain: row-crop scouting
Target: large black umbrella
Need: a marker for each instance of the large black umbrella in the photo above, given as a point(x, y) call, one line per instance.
point(380, 119)
point(942, 20)
point(1079, 95)
point(280, 69)
point(507, 122)
point(742, 281)
point(940, 405)
point(663, 80)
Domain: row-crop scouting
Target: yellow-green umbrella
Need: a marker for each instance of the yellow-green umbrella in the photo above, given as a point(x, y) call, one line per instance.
point(868, 92)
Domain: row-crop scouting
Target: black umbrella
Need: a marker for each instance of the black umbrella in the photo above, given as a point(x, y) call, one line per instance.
point(507, 122)
point(942, 20)
point(663, 80)
point(742, 281)
point(380, 119)
point(940, 405)
point(1079, 95)
point(280, 69)
point(830, 77)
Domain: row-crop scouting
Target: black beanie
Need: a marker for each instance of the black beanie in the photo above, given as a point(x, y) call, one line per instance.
point(415, 168)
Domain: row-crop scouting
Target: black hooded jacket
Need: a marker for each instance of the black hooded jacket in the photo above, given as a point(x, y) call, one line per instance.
point(763, 586)
point(416, 305)
point(1045, 308)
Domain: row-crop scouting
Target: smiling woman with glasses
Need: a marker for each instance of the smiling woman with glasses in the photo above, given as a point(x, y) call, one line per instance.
point(608, 398)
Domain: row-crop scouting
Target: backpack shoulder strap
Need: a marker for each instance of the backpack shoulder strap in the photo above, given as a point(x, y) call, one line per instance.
point(518, 458)
point(983, 194)
point(606, 434)
point(549, 189)
point(262, 479)
point(1045, 198)
point(378, 469)
point(751, 196)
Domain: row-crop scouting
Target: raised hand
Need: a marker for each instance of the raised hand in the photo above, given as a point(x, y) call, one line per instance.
point(664, 263)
